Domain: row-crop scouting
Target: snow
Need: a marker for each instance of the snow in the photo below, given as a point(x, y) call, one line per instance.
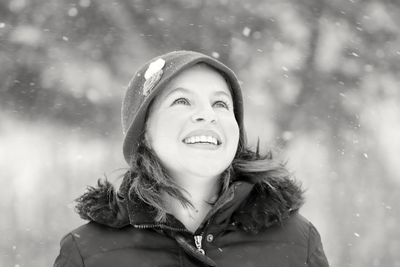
point(215, 54)
point(72, 12)
point(246, 31)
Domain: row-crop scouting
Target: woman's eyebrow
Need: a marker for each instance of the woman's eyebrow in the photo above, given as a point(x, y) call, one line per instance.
point(178, 90)
point(186, 91)
point(223, 93)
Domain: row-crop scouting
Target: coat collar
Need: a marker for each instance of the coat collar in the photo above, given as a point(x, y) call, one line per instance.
point(251, 203)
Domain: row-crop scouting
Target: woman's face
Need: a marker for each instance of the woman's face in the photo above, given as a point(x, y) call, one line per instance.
point(191, 125)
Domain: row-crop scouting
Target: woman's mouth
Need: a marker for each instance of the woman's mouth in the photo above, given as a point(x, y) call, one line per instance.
point(202, 139)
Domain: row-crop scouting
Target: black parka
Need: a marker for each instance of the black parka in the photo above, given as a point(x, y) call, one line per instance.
point(255, 223)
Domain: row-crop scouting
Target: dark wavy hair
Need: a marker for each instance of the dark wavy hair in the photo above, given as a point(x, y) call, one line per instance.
point(150, 178)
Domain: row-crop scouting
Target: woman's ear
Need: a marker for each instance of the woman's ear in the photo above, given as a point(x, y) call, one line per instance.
point(147, 139)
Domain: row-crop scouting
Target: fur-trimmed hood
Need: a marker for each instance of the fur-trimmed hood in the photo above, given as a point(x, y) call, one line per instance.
point(251, 203)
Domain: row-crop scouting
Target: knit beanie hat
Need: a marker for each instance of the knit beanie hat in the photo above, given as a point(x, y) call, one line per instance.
point(152, 78)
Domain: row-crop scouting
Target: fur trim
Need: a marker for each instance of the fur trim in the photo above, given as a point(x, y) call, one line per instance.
point(272, 200)
point(101, 204)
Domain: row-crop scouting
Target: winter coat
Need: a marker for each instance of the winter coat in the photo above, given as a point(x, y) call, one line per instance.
point(255, 223)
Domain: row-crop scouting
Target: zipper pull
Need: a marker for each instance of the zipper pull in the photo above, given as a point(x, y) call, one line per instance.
point(197, 242)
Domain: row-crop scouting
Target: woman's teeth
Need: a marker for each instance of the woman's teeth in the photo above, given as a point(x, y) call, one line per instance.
point(201, 139)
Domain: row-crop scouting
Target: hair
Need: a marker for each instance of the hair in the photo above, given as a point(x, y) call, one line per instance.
point(150, 179)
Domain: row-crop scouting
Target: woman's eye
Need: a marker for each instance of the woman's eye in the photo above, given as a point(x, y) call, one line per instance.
point(181, 101)
point(221, 104)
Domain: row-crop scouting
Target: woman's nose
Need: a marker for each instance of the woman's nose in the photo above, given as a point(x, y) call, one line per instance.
point(204, 113)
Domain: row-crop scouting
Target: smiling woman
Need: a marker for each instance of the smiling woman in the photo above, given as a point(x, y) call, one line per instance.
point(191, 112)
point(195, 195)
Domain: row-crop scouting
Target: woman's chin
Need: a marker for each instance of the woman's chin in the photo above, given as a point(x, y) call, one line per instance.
point(206, 170)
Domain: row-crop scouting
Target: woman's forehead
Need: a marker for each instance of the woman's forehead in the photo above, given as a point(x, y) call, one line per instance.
point(199, 75)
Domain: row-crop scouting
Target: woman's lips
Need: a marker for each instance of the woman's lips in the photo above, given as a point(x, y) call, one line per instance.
point(203, 138)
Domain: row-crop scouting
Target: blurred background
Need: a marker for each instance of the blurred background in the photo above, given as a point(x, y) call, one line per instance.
point(321, 85)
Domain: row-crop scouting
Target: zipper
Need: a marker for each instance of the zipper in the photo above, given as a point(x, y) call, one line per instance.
point(197, 238)
point(161, 226)
point(197, 241)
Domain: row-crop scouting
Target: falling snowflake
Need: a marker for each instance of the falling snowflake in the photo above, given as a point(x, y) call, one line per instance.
point(215, 54)
point(246, 31)
point(72, 12)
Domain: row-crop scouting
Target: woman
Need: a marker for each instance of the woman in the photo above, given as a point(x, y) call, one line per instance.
point(194, 195)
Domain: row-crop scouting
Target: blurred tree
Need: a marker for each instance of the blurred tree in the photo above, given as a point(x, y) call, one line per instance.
point(313, 71)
